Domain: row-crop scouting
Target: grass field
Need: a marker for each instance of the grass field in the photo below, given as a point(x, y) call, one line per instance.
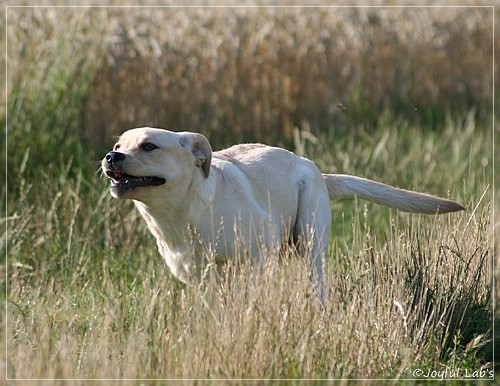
point(87, 293)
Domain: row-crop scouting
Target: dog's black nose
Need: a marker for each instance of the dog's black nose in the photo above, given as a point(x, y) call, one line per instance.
point(114, 156)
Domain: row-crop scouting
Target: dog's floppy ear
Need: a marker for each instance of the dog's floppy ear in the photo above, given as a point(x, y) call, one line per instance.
point(201, 149)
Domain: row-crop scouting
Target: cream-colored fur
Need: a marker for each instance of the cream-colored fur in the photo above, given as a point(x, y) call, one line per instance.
point(247, 200)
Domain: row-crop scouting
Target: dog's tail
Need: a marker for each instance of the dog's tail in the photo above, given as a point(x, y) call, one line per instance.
point(345, 186)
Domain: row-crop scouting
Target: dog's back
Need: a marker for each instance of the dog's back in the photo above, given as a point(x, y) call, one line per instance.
point(269, 181)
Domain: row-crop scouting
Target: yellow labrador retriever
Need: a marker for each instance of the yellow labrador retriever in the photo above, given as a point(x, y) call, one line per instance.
point(246, 200)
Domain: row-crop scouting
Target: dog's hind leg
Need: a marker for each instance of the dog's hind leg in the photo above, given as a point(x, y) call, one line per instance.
point(312, 228)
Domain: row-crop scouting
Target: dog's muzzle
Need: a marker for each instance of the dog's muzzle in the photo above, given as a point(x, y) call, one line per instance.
point(122, 182)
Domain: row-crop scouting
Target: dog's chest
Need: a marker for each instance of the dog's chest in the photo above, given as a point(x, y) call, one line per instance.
point(181, 263)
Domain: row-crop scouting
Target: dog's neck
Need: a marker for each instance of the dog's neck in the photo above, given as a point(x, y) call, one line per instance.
point(172, 223)
point(175, 226)
point(161, 223)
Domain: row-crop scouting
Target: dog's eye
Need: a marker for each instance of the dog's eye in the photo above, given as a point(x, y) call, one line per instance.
point(147, 146)
point(116, 147)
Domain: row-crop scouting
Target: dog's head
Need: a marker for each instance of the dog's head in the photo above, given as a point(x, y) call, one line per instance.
point(146, 160)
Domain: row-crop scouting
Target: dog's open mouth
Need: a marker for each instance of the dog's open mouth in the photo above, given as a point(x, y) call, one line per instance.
point(123, 180)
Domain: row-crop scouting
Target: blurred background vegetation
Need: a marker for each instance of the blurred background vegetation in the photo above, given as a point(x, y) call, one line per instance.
point(77, 77)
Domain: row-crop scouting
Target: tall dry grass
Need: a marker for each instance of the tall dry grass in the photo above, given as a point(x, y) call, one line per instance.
point(379, 322)
point(89, 297)
point(389, 310)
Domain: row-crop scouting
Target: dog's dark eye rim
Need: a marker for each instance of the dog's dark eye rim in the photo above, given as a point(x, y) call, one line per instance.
point(148, 146)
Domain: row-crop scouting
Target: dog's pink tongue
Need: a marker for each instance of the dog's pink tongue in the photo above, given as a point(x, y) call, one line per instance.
point(118, 176)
